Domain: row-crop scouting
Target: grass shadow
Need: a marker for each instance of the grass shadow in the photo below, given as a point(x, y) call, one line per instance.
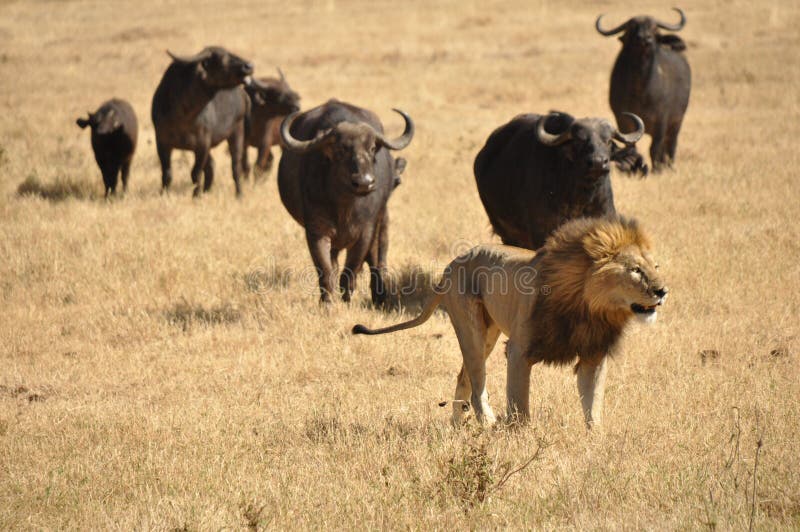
point(187, 315)
point(60, 189)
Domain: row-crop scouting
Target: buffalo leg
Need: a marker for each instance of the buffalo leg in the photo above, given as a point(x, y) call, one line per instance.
point(377, 261)
point(334, 275)
point(245, 164)
point(110, 176)
point(200, 159)
point(164, 154)
point(208, 173)
point(672, 141)
point(657, 148)
point(263, 161)
point(125, 171)
point(352, 266)
point(236, 146)
point(320, 248)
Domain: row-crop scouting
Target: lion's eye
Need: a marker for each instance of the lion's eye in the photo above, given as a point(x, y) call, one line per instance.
point(637, 270)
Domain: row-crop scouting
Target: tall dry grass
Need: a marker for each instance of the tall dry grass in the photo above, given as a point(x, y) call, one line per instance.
point(165, 364)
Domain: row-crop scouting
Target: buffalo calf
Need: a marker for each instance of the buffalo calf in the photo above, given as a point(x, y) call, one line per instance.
point(114, 132)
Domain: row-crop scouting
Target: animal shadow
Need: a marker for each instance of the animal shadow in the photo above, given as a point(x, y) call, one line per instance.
point(409, 288)
point(60, 189)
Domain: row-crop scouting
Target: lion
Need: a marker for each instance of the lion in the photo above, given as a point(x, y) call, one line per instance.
point(569, 300)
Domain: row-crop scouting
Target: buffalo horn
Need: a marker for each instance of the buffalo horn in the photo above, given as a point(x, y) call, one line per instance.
point(673, 27)
point(300, 146)
point(403, 140)
point(204, 54)
point(632, 137)
point(548, 139)
point(608, 33)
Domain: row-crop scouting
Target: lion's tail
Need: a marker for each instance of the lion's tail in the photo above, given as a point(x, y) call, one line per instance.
point(419, 320)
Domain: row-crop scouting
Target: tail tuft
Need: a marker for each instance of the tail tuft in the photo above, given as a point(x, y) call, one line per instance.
point(360, 329)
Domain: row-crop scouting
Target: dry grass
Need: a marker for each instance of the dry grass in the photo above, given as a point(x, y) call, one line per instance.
point(165, 364)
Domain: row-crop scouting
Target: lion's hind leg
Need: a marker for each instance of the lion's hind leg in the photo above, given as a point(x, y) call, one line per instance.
point(474, 333)
point(463, 386)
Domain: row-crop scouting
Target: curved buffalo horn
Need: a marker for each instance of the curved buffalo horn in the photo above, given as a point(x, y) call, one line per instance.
point(254, 82)
point(403, 140)
point(204, 54)
point(300, 146)
point(283, 78)
point(548, 139)
point(631, 138)
point(608, 33)
point(673, 27)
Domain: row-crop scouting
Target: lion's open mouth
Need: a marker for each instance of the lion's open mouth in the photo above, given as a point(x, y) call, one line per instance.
point(641, 309)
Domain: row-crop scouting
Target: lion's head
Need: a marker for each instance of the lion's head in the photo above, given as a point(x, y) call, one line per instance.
point(600, 273)
point(606, 265)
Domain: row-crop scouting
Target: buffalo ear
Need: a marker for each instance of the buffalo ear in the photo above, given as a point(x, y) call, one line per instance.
point(82, 123)
point(671, 41)
point(628, 160)
point(400, 165)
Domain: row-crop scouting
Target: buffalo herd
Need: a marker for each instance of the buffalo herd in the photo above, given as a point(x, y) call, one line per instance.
point(337, 170)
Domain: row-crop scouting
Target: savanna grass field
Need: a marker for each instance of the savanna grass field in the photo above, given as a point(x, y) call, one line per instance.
point(164, 361)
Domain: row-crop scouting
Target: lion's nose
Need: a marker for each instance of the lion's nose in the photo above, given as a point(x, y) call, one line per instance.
point(661, 292)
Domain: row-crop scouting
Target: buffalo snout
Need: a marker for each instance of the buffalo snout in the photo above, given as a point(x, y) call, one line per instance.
point(363, 183)
point(246, 68)
point(598, 163)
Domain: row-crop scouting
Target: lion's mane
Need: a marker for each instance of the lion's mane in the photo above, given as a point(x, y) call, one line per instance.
point(564, 326)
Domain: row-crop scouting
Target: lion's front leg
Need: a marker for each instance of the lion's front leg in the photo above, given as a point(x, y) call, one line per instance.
point(591, 387)
point(518, 383)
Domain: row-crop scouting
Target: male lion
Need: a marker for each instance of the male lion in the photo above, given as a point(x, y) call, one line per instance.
point(570, 299)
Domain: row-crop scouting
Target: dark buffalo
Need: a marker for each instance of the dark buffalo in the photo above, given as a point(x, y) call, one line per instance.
point(114, 132)
point(536, 172)
point(652, 79)
point(198, 104)
point(272, 100)
point(335, 178)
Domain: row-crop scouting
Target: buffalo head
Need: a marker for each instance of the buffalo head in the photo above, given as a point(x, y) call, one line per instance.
point(217, 67)
point(274, 94)
point(641, 35)
point(103, 122)
point(351, 148)
point(588, 145)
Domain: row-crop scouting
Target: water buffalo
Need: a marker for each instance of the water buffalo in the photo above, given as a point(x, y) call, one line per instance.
point(272, 100)
point(114, 132)
point(198, 104)
point(334, 178)
point(652, 79)
point(536, 172)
